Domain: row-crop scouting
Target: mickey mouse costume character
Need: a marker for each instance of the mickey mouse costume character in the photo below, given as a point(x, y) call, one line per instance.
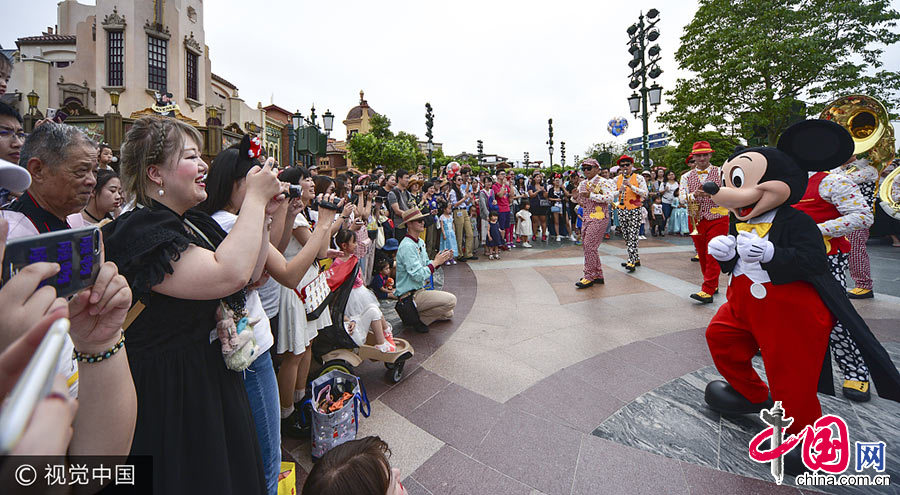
point(782, 298)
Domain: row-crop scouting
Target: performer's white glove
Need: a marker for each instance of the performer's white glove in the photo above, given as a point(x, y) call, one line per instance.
point(754, 249)
point(721, 247)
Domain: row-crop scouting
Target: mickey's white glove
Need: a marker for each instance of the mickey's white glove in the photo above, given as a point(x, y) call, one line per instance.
point(754, 249)
point(721, 247)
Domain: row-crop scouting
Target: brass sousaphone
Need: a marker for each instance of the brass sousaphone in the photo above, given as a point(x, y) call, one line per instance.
point(868, 123)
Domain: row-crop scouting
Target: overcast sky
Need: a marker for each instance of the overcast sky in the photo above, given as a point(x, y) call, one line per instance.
point(492, 70)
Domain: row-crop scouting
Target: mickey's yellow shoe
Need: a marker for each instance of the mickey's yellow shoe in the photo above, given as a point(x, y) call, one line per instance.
point(858, 293)
point(702, 297)
point(584, 283)
point(856, 391)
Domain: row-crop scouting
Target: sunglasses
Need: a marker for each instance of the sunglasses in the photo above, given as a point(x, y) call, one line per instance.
point(587, 167)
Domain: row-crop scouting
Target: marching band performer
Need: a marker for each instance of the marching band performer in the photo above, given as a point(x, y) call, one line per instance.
point(865, 176)
point(839, 209)
point(632, 189)
point(594, 194)
point(711, 220)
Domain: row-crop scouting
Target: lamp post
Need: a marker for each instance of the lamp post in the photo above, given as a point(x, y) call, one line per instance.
point(293, 128)
point(643, 68)
point(429, 123)
point(480, 147)
point(550, 141)
point(562, 154)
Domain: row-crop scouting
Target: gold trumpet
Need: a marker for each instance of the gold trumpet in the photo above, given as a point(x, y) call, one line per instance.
point(693, 208)
point(868, 123)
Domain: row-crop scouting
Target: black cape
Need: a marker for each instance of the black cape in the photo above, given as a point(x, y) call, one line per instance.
point(800, 255)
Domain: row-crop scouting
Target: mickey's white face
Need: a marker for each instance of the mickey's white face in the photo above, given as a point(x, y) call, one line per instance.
point(743, 193)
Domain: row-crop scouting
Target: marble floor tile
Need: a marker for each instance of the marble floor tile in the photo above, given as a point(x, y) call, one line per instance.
point(654, 359)
point(668, 422)
point(413, 391)
point(533, 451)
point(609, 375)
point(706, 481)
point(410, 445)
point(567, 396)
point(482, 370)
point(413, 487)
point(608, 467)
point(451, 472)
point(458, 417)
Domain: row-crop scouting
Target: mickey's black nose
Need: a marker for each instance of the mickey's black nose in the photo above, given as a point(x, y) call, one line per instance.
point(710, 188)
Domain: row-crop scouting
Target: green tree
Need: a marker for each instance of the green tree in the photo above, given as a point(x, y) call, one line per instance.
point(381, 147)
point(723, 145)
point(753, 61)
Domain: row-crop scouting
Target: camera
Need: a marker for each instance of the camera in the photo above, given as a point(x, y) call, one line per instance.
point(326, 204)
point(293, 192)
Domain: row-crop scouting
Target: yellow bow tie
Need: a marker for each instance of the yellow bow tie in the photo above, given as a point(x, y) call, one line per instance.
point(761, 228)
point(702, 172)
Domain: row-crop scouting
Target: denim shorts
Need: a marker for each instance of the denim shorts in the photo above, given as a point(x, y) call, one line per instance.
point(555, 209)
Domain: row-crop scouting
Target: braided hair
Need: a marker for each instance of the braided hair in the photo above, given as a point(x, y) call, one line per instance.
point(152, 140)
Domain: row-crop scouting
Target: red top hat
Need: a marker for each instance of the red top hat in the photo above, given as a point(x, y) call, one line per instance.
point(701, 148)
point(624, 158)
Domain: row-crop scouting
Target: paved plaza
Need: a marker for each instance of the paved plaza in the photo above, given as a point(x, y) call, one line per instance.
point(535, 387)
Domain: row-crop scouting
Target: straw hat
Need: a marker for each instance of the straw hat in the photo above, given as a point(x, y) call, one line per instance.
point(411, 215)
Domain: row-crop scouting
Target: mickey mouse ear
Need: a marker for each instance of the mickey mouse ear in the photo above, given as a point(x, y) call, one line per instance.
point(244, 148)
point(817, 145)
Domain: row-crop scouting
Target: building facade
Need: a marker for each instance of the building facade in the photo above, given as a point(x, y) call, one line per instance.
point(146, 54)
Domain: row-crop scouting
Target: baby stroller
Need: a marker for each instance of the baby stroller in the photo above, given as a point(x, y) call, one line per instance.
point(335, 349)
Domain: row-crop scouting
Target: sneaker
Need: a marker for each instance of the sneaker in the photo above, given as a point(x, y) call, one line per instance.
point(386, 347)
point(577, 243)
point(292, 427)
point(526, 244)
point(558, 238)
point(572, 238)
point(606, 236)
point(642, 237)
point(858, 293)
point(544, 238)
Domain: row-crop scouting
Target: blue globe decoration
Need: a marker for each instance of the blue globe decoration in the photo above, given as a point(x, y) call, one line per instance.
point(617, 126)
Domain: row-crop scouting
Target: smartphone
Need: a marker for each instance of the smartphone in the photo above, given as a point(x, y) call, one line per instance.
point(34, 384)
point(77, 251)
point(56, 115)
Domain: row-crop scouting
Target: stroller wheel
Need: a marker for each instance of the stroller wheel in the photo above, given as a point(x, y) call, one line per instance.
point(390, 366)
point(397, 372)
point(336, 364)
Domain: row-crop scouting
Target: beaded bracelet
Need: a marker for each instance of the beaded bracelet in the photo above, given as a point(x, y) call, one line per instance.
point(96, 358)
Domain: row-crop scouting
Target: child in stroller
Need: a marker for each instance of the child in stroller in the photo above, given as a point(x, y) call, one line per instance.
point(362, 305)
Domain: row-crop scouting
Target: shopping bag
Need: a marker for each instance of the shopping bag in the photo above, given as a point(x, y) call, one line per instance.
point(287, 479)
point(338, 426)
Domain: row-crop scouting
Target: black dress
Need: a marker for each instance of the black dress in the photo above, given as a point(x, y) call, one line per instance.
point(193, 415)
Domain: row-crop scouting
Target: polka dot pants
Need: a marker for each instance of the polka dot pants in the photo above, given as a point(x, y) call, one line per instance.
point(631, 224)
point(844, 348)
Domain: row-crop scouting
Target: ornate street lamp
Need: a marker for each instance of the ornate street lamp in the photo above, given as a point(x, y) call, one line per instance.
point(328, 120)
point(550, 141)
point(32, 102)
point(429, 124)
point(114, 100)
point(293, 128)
point(644, 64)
